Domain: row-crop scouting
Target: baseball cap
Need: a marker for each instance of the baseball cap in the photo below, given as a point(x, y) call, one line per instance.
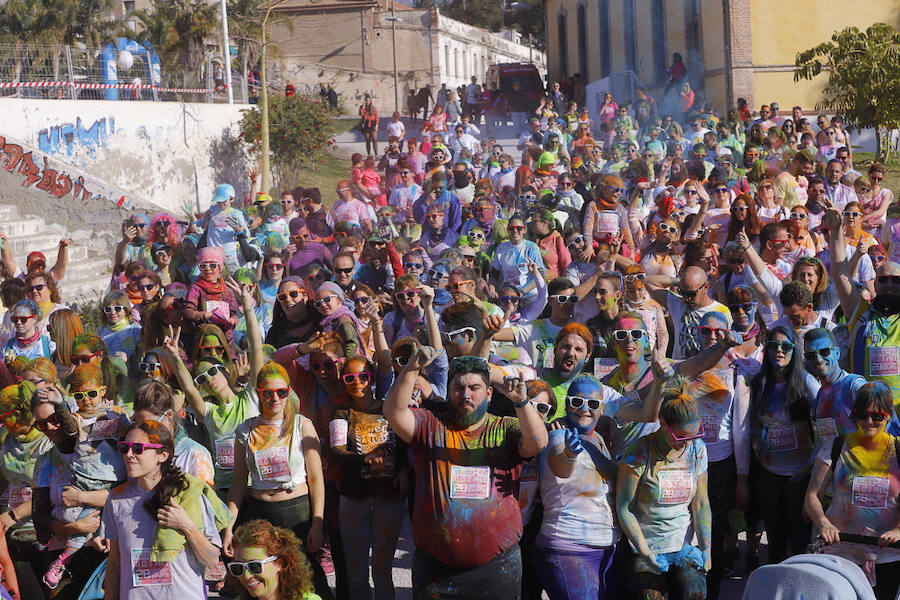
point(224, 192)
point(36, 257)
point(467, 251)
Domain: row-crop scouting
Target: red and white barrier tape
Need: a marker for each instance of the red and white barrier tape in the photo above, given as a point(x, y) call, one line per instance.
point(106, 86)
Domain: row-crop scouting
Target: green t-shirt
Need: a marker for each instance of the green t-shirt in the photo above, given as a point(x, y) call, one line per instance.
point(221, 421)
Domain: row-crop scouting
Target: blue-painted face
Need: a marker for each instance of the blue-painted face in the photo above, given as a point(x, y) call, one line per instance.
point(584, 391)
point(821, 357)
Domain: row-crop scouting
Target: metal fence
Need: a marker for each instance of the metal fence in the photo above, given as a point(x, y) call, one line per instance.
point(73, 72)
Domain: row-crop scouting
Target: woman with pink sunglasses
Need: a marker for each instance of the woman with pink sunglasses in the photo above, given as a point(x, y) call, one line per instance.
point(373, 475)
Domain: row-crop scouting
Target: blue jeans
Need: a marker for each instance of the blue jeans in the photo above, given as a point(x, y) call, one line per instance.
point(497, 579)
point(370, 523)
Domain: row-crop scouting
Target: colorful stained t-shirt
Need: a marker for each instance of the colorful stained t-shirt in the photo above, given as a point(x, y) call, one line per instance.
point(466, 512)
point(875, 349)
point(274, 460)
point(578, 510)
point(221, 421)
point(96, 462)
point(834, 403)
point(635, 393)
point(52, 472)
point(354, 435)
point(720, 413)
point(121, 339)
point(17, 461)
point(127, 522)
point(611, 400)
point(865, 491)
point(662, 500)
point(512, 261)
point(537, 338)
point(193, 458)
point(783, 445)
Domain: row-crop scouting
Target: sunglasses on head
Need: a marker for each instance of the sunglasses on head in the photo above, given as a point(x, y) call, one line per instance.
point(254, 567)
point(784, 345)
point(44, 424)
point(111, 309)
point(460, 331)
point(84, 359)
point(163, 252)
point(207, 375)
point(363, 377)
point(810, 355)
point(269, 394)
point(576, 402)
point(137, 447)
point(293, 294)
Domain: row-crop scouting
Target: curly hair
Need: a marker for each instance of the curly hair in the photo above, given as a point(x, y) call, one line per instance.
point(172, 233)
point(295, 576)
point(48, 281)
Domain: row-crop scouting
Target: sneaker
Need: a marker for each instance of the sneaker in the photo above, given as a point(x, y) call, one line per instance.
point(325, 561)
point(55, 574)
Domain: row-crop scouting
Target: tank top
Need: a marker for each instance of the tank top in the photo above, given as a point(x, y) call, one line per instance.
point(274, 462)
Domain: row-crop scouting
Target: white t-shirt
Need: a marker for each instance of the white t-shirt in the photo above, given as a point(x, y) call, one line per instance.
point(687, 323)
point(396, 129)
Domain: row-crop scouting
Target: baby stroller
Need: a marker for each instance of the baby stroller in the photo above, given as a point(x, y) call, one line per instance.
point(813, 576)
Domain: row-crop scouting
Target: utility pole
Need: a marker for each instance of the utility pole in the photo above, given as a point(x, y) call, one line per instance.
point(265, 172)
point(226, 52)
point(394, 50)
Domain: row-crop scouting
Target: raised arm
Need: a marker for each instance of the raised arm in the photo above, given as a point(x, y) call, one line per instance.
point(254, 338)
point(6, 256)
point(531, 424)
point(847, 293)
point(432, 329)
point(185, 381)
point(396, 406)
point(707, 359)
point(382, 349)
point(62, 260)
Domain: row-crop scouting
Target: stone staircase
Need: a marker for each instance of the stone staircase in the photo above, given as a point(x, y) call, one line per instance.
point(87, 276)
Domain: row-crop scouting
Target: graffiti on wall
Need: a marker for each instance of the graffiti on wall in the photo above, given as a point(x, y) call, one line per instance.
point(67, 138)
point(58, 184)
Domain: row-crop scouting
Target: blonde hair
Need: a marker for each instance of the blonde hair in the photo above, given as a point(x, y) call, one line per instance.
point(272, 370)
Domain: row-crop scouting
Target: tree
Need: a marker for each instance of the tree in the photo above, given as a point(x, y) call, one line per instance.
point(525, 16)
point(178, 30)
point(863, 78)
point(301, 130)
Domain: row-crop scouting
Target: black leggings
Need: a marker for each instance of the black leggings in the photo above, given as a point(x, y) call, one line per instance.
point(293, 514)
point(887, 576)
point(722, 481)
point(781, 502)
point(371, 136)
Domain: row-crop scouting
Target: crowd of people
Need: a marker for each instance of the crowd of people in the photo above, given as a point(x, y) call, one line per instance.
point(580, 367)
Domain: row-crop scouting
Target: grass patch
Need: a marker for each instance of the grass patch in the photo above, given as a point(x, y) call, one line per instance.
point(862, 161)
point(325, 176)
point(345, 124)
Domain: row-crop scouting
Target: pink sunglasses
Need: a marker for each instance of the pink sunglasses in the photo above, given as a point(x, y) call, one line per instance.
point(700, 433)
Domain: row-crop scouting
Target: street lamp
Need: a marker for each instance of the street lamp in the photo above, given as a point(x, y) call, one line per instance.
point(393, 19)
point(226, 52)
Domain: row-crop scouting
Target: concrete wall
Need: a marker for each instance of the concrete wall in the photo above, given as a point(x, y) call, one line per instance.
point(165, 153)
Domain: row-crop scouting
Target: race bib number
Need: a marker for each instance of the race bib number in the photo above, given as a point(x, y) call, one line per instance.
point(547, 359)
point(15, 494)
point(512, 275)
point(272, 463)
point(604, 366)
point(710, 428)
point(473, 483)
point(675, 486)
point(105, 430)
point(218, 308)
point(216, 573)
point(529, 472)
point(870, 492)
point(608, 222)
point(826, 429)
point(781, 438)
point(337, 431)
point(884, 361)
point(225, 453)
point(145, 572)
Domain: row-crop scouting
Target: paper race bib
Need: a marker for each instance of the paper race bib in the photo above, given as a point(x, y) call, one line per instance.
point(884, 361)
point(470, 482)
point(604, 366)
point(145, 572)
point(529, 472)
point(781, 438)
point(608, 222)
point(870, 492)
point(272, 463)
point(826, 429)
point(15, 494)
point(676, 486)
point(548, 358)
point(512, 275)
point(337, 432)
point(218, 308)
point(710, 428)
point(105, 430)
point(225, 453)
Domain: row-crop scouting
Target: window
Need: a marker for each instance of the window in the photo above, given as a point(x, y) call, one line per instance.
point(563, 43)
point(658, 20)
point(605, 63)
point(447, 59)
point(455, 62)
point(628, 27)
point(582, 43)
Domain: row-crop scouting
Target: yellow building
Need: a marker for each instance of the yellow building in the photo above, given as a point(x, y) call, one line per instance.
point(732, 48)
